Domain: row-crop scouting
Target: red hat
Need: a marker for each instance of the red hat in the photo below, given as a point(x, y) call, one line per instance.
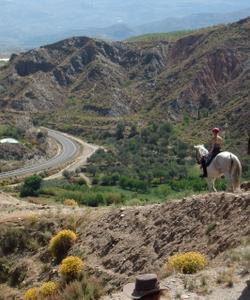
point(216, 130)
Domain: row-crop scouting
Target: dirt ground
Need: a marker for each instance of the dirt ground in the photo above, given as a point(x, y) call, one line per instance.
point(130, 241)
point(119, 243)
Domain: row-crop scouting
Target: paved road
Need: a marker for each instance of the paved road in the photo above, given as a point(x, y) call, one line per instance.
point(69, 149)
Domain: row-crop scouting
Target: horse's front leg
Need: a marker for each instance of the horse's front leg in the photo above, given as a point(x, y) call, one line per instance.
point(213, 183)
point(211, 187)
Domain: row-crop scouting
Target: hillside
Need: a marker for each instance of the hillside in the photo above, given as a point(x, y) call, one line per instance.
point(201, 79)
point(118, 243)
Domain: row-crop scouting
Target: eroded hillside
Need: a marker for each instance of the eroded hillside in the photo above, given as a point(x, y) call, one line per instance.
point(117, 243)
point(204, 72)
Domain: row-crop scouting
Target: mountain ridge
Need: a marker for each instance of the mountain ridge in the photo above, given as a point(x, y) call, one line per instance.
point(202, 74)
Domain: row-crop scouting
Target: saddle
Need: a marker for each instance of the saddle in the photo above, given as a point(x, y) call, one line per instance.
point(210, 158)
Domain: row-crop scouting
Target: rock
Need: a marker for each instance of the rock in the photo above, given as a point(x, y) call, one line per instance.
point(248, 283)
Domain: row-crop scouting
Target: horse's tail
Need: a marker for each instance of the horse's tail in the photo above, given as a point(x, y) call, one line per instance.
point(235, 172)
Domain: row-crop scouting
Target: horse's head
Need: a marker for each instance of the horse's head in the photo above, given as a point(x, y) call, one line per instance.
point(201, 151)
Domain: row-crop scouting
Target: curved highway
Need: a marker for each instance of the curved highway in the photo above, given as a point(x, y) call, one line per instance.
point(68, 151)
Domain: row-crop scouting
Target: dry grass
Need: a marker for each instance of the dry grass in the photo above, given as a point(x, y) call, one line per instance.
point(239, 256)
point(199, 285)
point(31, 218)
point(226, 278)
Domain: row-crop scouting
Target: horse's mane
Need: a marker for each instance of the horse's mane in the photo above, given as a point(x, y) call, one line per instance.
point(202, 149)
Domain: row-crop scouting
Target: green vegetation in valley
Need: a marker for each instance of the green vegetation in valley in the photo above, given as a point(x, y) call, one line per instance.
point(11, 132)
point(142, 159)
point(59, 190)
point(140, 165)
point(143, 162)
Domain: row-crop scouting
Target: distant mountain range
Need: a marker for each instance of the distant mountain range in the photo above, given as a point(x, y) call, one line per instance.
point(193, 21)
point(28, 24)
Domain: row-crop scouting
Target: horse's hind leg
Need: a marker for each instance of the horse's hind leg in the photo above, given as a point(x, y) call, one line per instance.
point(230, 186)
point(235, 184)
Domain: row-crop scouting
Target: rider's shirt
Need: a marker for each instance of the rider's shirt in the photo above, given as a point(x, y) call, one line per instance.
point(216, 148)
point(216, 145)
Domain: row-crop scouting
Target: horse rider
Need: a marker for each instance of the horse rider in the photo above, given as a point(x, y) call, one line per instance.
point(214, 150)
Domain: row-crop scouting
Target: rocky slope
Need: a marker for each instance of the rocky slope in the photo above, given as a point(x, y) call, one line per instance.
point(204, 72)
point(139, 240)
point(116, 244)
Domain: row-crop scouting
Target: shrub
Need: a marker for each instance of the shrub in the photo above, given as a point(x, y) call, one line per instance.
point(119, 134)
point(94, 199)
point(72, 290)
point(95, 180)
point(31, 219)
point(226, 277)
point(61, 243)
point(15, 240)
point(4, 269)
point(84, 288)
point(31, 294)
point(114, 198)
point(71, 267)
point(187, 263)
point(81, 181)
point(31, 186)
point(70, 202)
point(133, 184)
point(106, 180)
point(48, 289)
point(67, 174)
point(17, 274)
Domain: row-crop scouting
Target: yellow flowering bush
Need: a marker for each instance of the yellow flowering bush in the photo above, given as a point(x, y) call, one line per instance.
point(187, 262)
point(31, 294)
point(70, 202)
point(71, 267)
point(61, 243)
point(48, 289)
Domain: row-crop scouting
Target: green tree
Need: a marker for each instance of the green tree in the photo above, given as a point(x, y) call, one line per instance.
point(31, 186)
point(133, 131)
point(119, 134)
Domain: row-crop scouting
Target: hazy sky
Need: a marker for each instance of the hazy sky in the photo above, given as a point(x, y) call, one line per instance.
point(106, 12)
point(28, 20)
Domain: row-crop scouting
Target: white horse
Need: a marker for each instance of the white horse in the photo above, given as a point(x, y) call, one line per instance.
point(225, 163)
